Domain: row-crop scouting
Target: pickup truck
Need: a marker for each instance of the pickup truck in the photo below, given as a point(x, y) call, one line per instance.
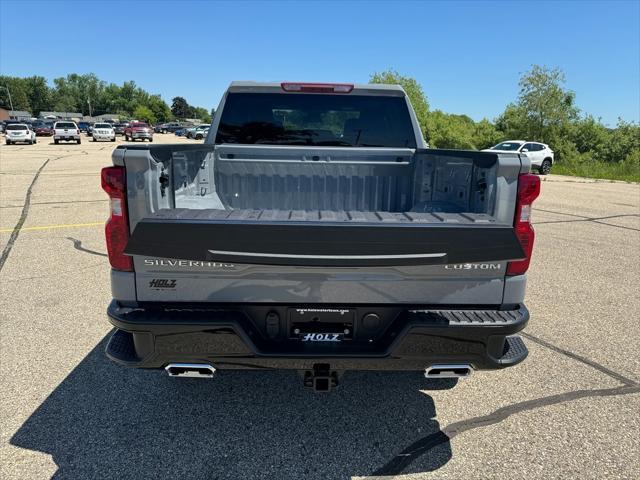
point(314, 230)
point(138, 130)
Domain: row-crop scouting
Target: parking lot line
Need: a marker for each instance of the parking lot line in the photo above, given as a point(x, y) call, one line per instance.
point(48, 227)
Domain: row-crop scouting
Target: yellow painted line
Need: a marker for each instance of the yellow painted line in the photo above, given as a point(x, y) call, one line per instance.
point(48, 227)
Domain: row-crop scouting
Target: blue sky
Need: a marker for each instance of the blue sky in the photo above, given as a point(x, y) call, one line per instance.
point(468, 56)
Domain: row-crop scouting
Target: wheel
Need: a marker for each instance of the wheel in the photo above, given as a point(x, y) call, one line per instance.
point(94, 139)
point(545, 168)
point(56, 141)
point(35, 140)
point(78, 141)
point(30, 142)
point(151, 140)
point(198, 137)
point(113, 139)
point(8, 142)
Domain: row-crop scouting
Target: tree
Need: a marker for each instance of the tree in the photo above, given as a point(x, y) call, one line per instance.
point(159, 108)
point(179, 107)
point(450, 131)
point(413, 89)
point(144, 114)
point(18, 90)
point(546, 105)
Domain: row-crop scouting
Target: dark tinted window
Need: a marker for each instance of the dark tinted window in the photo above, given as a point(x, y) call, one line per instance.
point(512, 146)
point(65, 125)
point(316, 119)
point(17, 126)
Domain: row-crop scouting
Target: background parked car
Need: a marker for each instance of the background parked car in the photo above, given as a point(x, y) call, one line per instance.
point(66, 131)
point(83, 126)
point(138, 130)
point(191, 132)
point(43, 129)
point(20, 133)
point(103, 131)
point(118, 128)
point(201, 132)
point(170, 127)
point(540, 155)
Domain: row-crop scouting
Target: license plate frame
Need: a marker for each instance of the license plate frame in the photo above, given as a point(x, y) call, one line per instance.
point(321, 324)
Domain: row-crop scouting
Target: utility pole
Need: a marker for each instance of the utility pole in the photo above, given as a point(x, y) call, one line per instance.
point(9, 92)
point(89, 102)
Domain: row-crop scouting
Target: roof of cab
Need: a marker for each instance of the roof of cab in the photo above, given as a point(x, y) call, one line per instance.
point(358, 88)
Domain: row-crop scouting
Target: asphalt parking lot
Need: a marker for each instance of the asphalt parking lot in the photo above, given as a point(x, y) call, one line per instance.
point(571, 410)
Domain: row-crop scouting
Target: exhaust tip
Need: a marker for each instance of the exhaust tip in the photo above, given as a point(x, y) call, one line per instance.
point(448, 371)
point(190, 370)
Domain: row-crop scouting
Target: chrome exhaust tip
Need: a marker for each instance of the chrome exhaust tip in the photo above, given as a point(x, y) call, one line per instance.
point(448, 371)
point(190, 370)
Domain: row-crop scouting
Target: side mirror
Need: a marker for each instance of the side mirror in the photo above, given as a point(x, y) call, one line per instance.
point(524, 150)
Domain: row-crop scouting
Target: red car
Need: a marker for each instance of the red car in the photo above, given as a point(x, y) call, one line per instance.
point(138, 130)
point(43, 129)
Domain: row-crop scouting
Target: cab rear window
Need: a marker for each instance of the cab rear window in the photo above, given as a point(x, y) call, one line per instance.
point(65, 125)
point(317, 120)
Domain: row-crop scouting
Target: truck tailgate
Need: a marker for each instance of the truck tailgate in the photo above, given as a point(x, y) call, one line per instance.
point(320, 225)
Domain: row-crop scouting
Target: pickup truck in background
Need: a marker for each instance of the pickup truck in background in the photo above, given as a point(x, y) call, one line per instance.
point(314, 230)
point(66, 131)
point(138, 130)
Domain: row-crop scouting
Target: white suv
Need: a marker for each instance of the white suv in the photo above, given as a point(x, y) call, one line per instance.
point(67, 131)
point(20, 132)
point(540, 155)
point(103, 131)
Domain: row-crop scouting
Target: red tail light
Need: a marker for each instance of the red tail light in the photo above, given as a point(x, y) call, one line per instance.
point(528, 191)
point(78, 132)
point(117, 228)
point(317, 87)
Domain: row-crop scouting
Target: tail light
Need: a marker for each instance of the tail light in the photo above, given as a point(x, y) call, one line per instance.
point(78, 132)
point(317, 87)
point(528, 191)
point(117, 228)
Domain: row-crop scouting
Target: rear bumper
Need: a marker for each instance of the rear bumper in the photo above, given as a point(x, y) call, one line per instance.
point(228, 337)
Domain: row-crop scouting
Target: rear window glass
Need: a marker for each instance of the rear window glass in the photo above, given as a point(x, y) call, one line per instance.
point(507, 146)
point(16, 127)
point(316, 119)
point(65, 125)
point(102, 125)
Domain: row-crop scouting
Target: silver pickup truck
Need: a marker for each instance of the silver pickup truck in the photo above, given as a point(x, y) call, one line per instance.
point(314, 230)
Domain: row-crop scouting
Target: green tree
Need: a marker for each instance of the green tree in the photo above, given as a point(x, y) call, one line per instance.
point(450, 131)
point(413, 89)
point(18, 90)
point(39, 94)
point(548, 108)
point(179, 107)
point(144, 114)
point(159, 108)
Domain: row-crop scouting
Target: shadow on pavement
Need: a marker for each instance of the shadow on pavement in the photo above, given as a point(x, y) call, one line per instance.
point(105, 421)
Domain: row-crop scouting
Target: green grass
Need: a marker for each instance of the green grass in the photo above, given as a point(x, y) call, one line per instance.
point(625, 171)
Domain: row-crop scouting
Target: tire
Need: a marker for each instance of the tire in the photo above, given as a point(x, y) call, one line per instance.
point(8, 142)
point(78, 141)
point(545, 168)
point(56, 141)
point(35, 140)
point(94, 139)
point(150, 140)
point(113, 139)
